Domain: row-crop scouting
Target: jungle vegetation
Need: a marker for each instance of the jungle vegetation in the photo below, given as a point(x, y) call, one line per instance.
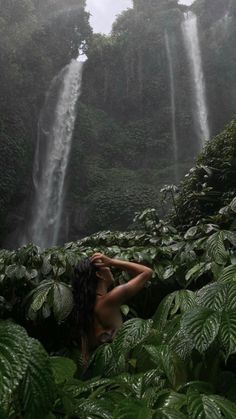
point(174, 357)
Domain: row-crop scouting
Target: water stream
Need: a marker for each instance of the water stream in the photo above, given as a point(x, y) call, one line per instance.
point(191, 40)
point(173, 107)
point(55, 131)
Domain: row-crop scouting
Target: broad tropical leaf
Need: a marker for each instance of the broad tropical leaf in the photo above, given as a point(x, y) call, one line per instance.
point(52, 294)
point(63, 368)
point(175, 401)
point(62, 301)
point(138, 384)
point(202, 326)
point(77, 388)
point(228, 274)
point(216, 248)
point(93, 409)
point(14, 356)
point(106, 363)
point(227, 408)
point(201, 406)
point(168, 363)
point(227, 333)
point(161, 316)
point(37, 388)
point(16, 271)
point(181, 344)
point(218, 296)
point(196, 271)
point(184, 300)
point(232, 205)
point(167, 413)
point(40, 295)
point(131, 334)
point(130, 409)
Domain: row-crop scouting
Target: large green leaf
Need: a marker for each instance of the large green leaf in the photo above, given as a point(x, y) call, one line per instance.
point(131, 334)
point(216, 248)
point(227, 333)
point(106, 363)
point(201, 406)
point(181, 344)
point(37, 388)
point(176, 301)
point(202, 326)
point(79, 389)
point(230, 236)
point(168, 363)
point(40, 295)
point(167, 413)
point(16, 271)
point(218, 296)
point(228, 274)
point(93, 409)
point(14, 355)
point(227, 408)
point(232, 205)
point(184, 300)
point(62, 301)
point(130, 409)
point(50, 293)
point(196, 271)
point(175, 401)
point(63, 368)
point(161, 316)
point(25, 371)
point(138, 384)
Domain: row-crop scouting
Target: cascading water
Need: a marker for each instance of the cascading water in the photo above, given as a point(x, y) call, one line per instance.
point(191, 40)
point(173, 107)
point(55, 131)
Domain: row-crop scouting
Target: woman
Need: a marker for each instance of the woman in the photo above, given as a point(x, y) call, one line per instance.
point(97, 304)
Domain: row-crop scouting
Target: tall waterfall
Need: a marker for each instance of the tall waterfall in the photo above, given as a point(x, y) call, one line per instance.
point(191, 39)
point(55, 131)
point(173, 107)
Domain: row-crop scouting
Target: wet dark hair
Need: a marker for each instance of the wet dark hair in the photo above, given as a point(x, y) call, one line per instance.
point(84, 286)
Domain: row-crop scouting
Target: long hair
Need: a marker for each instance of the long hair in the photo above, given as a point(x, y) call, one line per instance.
point(84, 286)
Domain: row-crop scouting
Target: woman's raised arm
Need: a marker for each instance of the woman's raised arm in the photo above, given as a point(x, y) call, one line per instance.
point(120, 294)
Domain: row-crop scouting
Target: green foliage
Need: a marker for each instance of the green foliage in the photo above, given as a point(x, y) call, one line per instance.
point(211, 184)
point(37, 40)
point(167, 367)
point(26, 385)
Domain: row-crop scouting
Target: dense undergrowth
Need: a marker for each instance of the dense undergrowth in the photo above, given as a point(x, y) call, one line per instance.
point(178, 364)
point(174, 357)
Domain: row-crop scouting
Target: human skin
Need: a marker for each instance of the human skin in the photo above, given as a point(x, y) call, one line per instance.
point(107, 314)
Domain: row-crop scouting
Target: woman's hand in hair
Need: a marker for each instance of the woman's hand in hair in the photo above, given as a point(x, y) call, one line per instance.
point(100, 260)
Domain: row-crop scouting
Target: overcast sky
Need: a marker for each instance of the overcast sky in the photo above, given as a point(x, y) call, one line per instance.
point(188, 2)
point(104, 12)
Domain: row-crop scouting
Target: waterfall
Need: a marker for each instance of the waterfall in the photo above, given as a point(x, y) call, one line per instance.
point(191, 40)
point(55, 131)
point(172, 101)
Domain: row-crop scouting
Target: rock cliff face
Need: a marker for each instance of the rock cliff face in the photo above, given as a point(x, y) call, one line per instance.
point(138, 104)
point(123, 143)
